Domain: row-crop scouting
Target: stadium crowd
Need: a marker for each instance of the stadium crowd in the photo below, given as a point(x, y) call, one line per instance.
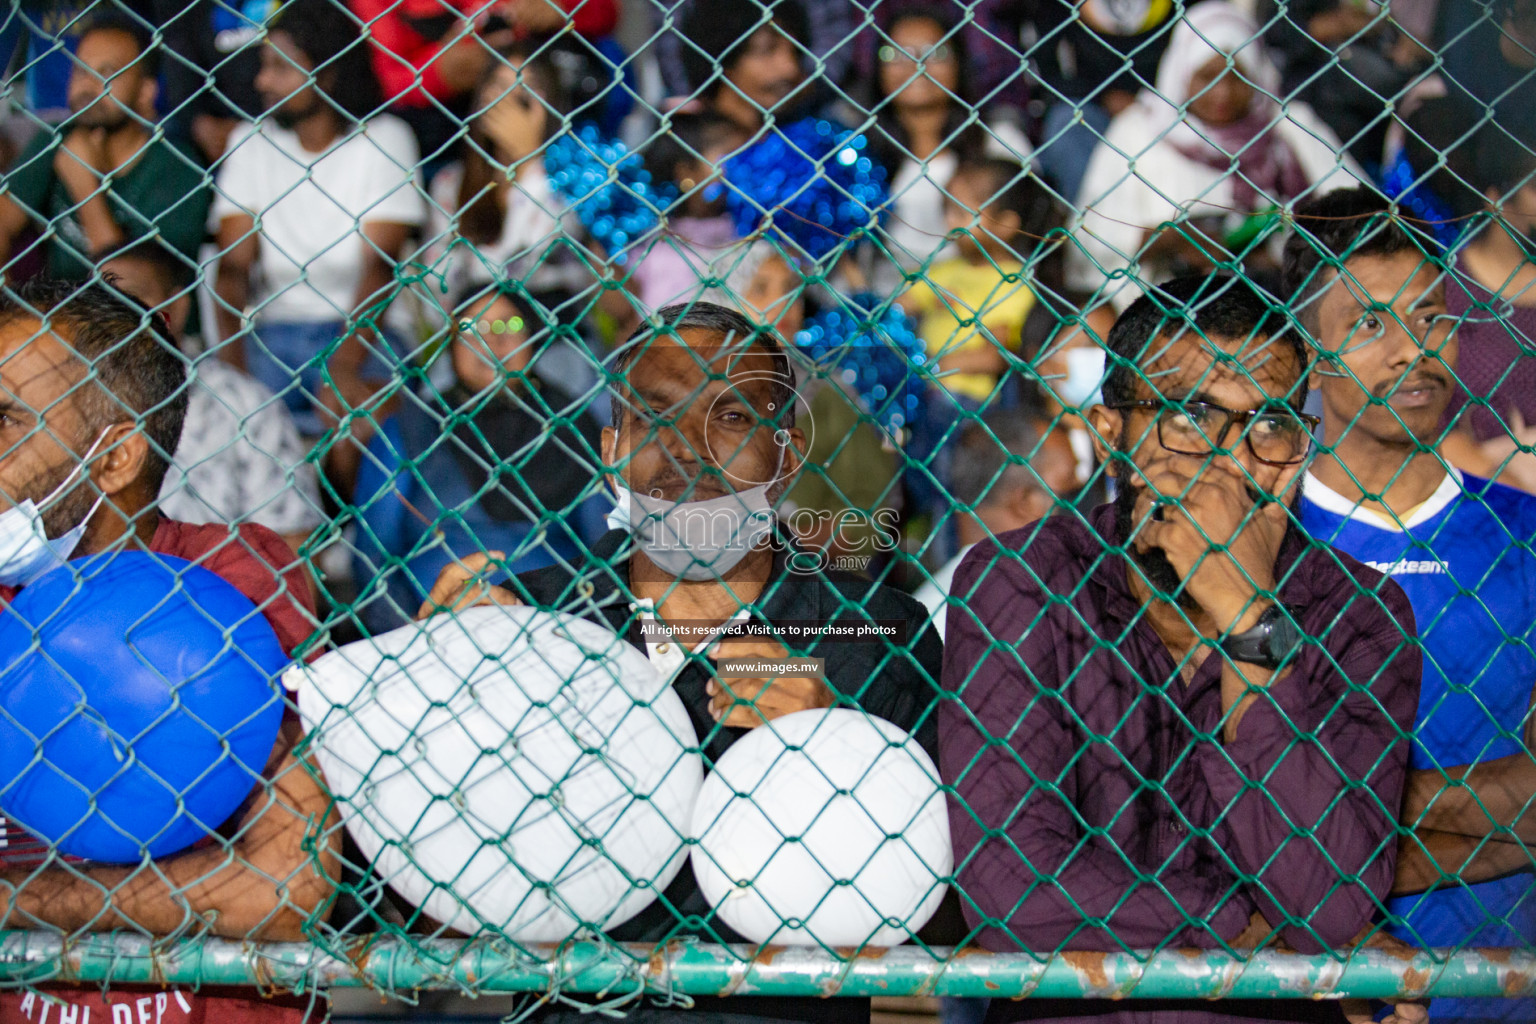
point(1227, 315)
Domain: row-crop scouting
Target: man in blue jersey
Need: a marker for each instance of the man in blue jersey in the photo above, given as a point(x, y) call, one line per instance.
point(1374, 301)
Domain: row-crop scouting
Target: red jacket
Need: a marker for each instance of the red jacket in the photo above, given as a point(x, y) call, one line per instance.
point(408, 35)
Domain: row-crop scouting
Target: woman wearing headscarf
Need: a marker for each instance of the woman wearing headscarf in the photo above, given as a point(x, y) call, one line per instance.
point(1213, 145)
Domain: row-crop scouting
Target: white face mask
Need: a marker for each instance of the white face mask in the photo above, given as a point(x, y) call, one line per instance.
point(695, 540)
point(25, 550)
point(1085, 376)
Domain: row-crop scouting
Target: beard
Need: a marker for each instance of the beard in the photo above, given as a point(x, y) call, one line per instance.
point(69, 510)
point(108, 116)
point(1153, 562)
point(289, 117)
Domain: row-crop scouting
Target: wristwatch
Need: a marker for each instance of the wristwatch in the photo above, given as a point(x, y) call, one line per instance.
point(1268, 643)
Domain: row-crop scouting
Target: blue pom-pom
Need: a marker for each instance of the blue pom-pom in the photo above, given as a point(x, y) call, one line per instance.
point(877, 353)
point(1400, 183)
point(811, 182)
point(607, 186)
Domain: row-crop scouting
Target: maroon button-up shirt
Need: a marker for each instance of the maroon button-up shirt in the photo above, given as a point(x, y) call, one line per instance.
point(1096, 805)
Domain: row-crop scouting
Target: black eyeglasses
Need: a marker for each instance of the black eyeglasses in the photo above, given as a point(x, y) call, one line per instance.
point(1278, 436)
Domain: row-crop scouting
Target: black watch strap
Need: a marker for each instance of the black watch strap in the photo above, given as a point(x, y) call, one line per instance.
point(1268, 643)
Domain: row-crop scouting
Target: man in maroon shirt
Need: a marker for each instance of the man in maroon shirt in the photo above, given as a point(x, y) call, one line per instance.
point(91, 406)
point(1179, 722)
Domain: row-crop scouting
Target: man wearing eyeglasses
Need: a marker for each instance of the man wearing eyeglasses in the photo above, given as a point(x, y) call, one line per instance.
point(1374, 300)
point(1177, 721)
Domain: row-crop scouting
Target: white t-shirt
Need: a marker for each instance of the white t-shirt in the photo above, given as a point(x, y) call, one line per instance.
point(310, 208)
point(917, 228)
point(240, 458)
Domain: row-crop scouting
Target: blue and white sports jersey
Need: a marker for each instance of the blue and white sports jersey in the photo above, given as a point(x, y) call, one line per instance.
point(1465, 559)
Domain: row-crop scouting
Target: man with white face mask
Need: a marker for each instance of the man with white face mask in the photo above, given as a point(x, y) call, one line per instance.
point(92, 399)
point(704, 444)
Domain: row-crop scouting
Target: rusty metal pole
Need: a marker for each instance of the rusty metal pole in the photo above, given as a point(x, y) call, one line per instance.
point(394, 964)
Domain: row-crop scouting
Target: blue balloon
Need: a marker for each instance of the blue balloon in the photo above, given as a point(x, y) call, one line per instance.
point(139, 703)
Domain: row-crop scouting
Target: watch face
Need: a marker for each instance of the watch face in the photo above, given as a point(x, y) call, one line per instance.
point(1284, 636)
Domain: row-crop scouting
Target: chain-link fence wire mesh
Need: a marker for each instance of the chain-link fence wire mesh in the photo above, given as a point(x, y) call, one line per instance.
point(540, 371)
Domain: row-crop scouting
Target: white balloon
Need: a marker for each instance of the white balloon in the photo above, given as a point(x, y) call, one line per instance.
point(823, 827)
point(507, 767)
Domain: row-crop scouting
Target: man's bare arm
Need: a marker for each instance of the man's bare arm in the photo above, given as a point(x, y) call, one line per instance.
point(382, 243)
point(13, 218)
point(239, 247)
point(1491, 798)
point(1430, 860)
point(262, 884)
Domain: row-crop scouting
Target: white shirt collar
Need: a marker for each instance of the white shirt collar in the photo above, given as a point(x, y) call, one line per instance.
point(1329, 500)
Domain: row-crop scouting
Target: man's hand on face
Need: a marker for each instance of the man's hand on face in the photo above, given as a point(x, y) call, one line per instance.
point(764, 698)
point(1206, 507)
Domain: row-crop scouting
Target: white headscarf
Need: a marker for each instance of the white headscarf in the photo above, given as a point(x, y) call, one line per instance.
point(1218, 30)
point(1215, 29)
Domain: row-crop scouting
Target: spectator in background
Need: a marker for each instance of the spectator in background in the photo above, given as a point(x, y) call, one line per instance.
point(1494, 296)
point(1092, 60)
point(336, 200)
point(46, 33)
point(971, 307)
point(988, 33)
point(971, 311)
point(689, 245)
point(495, 215)
point(821, 30)
point(1380, 492)
point(1139, 645)
point(1211, 150)
point(102, 178)
point(429, 55)
point(926, 124)
point(1006, 475)
point(477, 468)
point(240, 459)
point(1349, 61)
point(1489, 61)
point(745, 60)
point(210, 80)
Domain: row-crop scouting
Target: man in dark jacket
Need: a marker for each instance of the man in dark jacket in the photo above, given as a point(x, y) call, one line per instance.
point(703, 447)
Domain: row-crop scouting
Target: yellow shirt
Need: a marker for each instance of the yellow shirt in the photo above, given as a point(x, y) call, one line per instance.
point(959, 304)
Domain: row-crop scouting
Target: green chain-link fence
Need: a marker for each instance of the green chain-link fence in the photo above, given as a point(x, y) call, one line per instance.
point(713, 541)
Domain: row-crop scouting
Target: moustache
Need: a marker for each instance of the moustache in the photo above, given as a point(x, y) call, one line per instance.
point(676, 486)
point(1423, 380)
